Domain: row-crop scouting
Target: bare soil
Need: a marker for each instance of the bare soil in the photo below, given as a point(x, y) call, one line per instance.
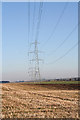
point(20, 100)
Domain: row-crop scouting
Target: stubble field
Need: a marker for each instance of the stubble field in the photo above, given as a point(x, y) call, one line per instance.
point(20, 100)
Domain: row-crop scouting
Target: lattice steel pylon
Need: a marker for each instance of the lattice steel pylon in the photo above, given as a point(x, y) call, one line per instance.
point(36, 71)
point(36, 59)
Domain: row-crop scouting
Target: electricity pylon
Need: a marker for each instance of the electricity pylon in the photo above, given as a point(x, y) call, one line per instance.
point(36, 70)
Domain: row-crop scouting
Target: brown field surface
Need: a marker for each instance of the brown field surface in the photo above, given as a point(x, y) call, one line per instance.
point(20, 100)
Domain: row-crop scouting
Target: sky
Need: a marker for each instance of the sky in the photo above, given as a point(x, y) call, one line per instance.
point(0, 41)
point(58, 25)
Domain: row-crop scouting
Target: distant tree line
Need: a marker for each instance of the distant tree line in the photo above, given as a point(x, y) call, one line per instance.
point(4, 81)
point(69, 79)
point(65, 79)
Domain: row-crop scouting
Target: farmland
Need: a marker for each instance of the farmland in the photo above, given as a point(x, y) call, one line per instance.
point(22, 100)
point(55, 82)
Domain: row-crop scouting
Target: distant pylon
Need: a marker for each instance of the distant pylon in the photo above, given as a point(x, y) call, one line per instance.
point(36, 70)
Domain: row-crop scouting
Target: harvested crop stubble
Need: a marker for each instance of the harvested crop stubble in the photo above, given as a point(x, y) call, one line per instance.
point(23, 101)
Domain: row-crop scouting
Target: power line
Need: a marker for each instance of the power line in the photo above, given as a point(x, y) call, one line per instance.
point(28, 21)
point(33, 20)
point(65, 39)
point(28, 31)
point(65, 53)
point(39, 20)
point(56, 25)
